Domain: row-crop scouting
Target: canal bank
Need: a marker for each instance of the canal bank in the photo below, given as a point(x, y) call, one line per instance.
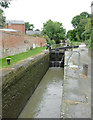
point(76, 100)
point(19, 83)
point(58, 93)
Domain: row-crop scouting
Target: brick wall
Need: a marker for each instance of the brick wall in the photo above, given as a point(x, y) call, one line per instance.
point(15, 43)
point(19, 27)
point(0, 44)
point(36, 40)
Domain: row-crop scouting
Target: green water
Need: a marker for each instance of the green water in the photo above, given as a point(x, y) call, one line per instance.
point(47, 98)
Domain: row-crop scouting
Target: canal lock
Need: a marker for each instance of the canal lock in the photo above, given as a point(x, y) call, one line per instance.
point(18, 86)
point(47, 98)
point(57, 58)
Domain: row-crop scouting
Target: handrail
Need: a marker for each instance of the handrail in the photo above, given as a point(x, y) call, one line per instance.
point(66, 47)
point(71, 55)
point(61, 60)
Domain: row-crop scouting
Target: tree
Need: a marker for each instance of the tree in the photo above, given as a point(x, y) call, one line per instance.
point(5, 3)
point(54, 30)
point(84, 15)
point(81, 28)
point(76, 20)
point(87, 34)
point(71, 35)
point(2, 19)
point(37, 30)
point(29, 26)
point(89, 24)
point(79, 22)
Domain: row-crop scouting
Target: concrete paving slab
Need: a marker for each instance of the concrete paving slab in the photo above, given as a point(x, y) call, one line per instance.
point(76, 100)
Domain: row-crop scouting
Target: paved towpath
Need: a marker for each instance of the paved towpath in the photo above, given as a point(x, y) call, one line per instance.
point(77, 87)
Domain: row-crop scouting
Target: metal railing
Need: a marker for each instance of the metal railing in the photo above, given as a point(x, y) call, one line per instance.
point(71, 55)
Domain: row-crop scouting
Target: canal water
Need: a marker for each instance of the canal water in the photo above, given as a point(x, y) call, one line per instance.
point(46, 100)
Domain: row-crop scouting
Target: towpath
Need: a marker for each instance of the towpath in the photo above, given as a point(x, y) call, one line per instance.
point(76, 101)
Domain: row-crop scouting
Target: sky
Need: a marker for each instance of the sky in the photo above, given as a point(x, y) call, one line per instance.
point(38, 12)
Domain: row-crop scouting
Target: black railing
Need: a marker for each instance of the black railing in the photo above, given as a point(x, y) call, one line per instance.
point(64, 48)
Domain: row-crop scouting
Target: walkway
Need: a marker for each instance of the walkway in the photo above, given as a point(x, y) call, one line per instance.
point(76, 101)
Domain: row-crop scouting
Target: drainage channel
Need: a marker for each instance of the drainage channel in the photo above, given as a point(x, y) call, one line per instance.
point(46, 100)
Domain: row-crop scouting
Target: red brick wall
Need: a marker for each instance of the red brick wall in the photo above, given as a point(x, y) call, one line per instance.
point(12, 43)
point(15, 43)
point(20, 27)
point(41, 42)
point(36, 40)
point(12, 40)
point(1, 44)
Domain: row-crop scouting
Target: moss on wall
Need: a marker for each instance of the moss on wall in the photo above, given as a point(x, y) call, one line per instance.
point(19, 84)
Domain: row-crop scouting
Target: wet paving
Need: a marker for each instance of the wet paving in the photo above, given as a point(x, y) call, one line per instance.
point(76, 101)
point(47, 98)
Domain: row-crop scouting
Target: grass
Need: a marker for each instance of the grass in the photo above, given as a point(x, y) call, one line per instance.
point(18, 57)
point(74, 43)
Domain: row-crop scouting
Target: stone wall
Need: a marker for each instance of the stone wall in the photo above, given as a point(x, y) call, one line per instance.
point(19, 83)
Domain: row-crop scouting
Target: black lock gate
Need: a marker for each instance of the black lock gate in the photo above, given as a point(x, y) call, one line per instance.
point(57, 55)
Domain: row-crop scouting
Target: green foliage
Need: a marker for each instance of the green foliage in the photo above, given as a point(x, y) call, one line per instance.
point(54, 30)
point(2, 19)
point(53, 42)
point(88, 24)
point(91, 39)
point(68, 42)
point(29, 26)
point(82, 29)
point(71, 35)
point(74, 43)
point(37, 30)
point(5, 3)
point(36, 35)
point(76, 20)
point(77, 37)
point(49, 42)
point(84, 15)
point(86, 34)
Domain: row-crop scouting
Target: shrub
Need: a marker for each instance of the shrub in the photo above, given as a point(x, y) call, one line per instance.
point(36, 35)
point(53, 42)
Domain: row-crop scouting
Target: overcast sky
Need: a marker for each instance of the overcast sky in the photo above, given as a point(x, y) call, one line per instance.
point(39, 11)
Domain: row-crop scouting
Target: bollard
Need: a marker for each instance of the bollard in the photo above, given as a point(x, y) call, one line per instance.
point(8, 60)
point(49, 49)
point(85, 69)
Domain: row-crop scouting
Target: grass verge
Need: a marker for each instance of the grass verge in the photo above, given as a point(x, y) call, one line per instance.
point(18, 57)
point(74, 43)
